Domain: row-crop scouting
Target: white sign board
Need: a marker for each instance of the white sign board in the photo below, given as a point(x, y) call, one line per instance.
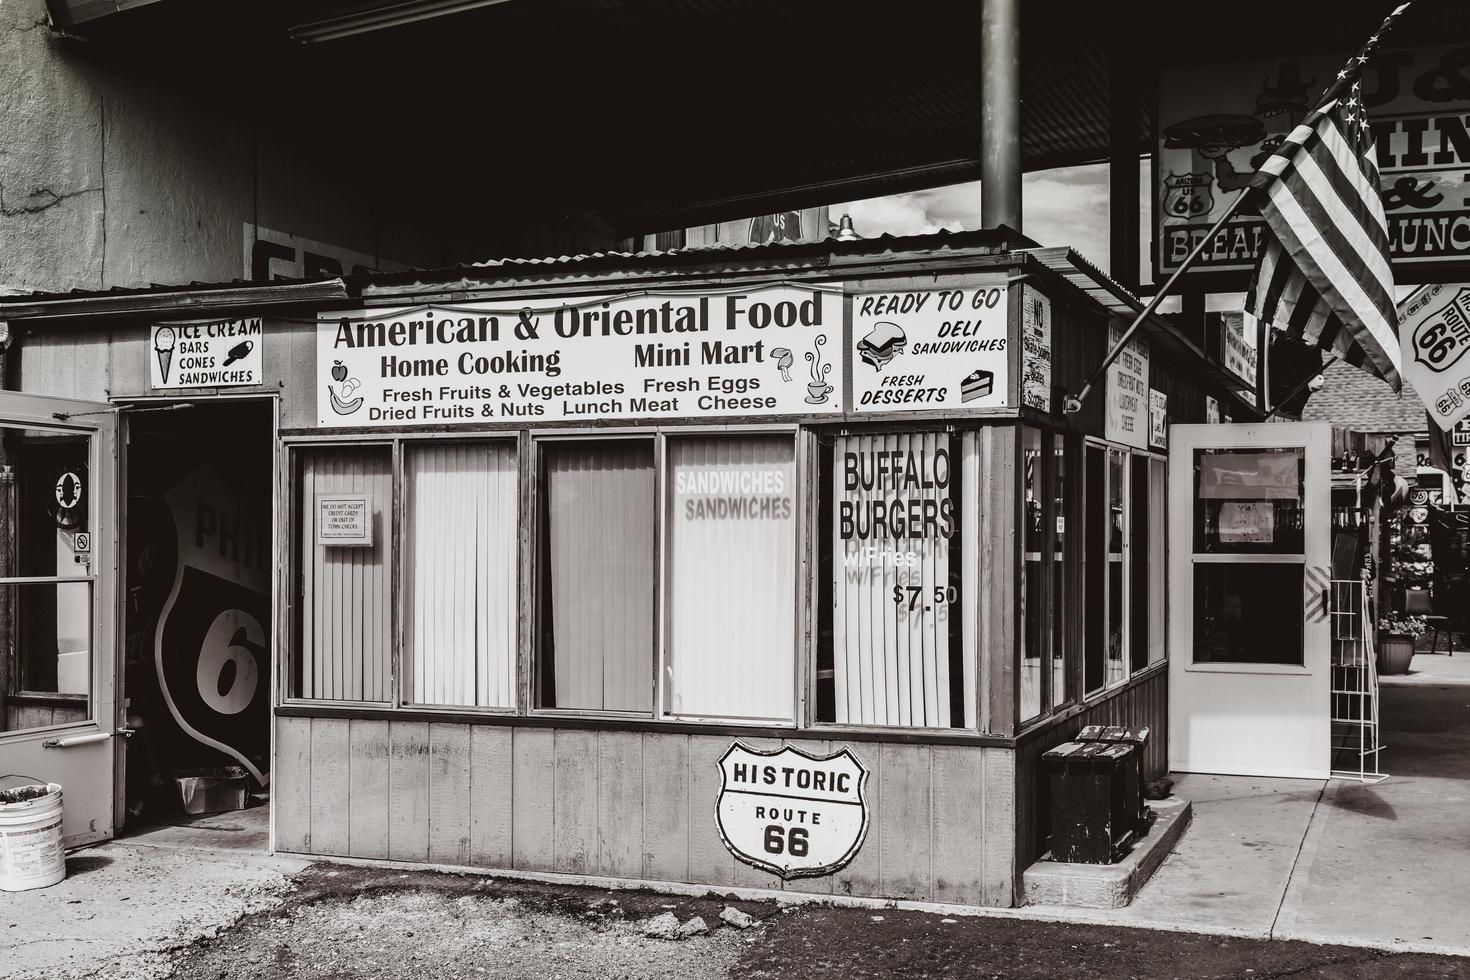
point(1237, 346)
point(1036, 349)
point(344, 520)
point(769, 351)
point(930, 349)
point(1212, 410)
point(1434, 335)
point(1127, 414)
point(791, 813)
point(1158, 419)
point(206, 354)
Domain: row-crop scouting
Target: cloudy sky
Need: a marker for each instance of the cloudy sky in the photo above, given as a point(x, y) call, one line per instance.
point(1068, 206)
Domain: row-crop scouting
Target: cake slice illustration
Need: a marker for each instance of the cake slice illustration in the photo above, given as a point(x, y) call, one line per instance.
point(976, 384)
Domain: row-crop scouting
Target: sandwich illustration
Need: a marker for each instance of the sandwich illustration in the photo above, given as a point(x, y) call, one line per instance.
point(882, 344)
point(977, 384)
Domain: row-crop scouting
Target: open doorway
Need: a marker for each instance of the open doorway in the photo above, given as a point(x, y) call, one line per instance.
point(197, 614)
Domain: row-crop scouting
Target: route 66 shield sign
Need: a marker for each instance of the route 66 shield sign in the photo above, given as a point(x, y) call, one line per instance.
point(792, 813)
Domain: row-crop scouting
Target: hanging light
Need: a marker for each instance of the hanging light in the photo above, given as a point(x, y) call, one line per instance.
point(846, 232)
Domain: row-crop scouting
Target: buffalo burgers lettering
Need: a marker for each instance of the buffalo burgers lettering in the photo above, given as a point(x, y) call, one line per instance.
point(904, 495)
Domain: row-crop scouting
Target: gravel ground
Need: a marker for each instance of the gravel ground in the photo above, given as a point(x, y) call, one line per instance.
point(350, 922)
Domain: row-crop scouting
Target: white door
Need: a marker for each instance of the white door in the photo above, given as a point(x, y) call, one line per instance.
point(58, 625)
point(1249, 568)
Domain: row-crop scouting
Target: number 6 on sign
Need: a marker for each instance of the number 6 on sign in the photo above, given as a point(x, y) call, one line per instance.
point(792, 813)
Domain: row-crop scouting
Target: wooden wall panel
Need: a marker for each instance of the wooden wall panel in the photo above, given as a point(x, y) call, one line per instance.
point(291, 785)
point(666, 807)
point(329, 782)
point(490, 797)
point(367, 769)
point(408, 790)
point(629, 805)
point(533, 755)
point(620, 814)
point(449, 794)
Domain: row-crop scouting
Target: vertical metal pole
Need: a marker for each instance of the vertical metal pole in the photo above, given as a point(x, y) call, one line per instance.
point(1000, 135)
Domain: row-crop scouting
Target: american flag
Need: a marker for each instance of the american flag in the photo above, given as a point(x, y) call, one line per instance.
point(1324, 274)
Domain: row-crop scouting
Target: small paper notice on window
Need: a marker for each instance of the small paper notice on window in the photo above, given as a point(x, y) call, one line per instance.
point(344, 520)
point(1249, 476)
point(1251, 522)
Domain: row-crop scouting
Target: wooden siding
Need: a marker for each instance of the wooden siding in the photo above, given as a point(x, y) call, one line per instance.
point(629, 805)
point(1142, 703)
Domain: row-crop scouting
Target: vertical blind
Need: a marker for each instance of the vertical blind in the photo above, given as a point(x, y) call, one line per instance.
point(891, 645)
point(346, 596)
point(731, 647)
point(460, 574)
point(600, 509)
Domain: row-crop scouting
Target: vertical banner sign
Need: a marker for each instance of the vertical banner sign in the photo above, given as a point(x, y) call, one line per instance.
point(791, 813)
point(1237, 346)
point(1219, 123)
point(1127, 415)
point(205, 354)
point(765, 351)
point(1434, 335)
point(895, 625)
point(931, 349)
point(1035, 349)
point(1158, 419)
point(211, 648)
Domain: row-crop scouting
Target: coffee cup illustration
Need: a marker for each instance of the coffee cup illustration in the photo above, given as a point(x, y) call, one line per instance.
point(817, 392)
point(817, 389)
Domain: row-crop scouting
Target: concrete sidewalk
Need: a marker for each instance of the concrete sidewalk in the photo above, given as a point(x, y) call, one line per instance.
point(126, 903)
point(1385, 865)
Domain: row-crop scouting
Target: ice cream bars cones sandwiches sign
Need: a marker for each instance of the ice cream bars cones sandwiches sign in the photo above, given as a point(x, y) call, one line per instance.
point(922, 350)
point(206, 354)
point(792, 813)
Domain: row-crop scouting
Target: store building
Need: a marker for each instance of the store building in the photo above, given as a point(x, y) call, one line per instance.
point(552, 537)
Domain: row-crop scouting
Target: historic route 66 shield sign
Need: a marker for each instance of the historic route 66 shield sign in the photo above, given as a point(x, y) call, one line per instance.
point(791, 813)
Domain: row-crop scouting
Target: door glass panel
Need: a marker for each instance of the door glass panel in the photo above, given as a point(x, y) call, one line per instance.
point(1249, 501)
point(1117, 668)
point(45, 502)
point(48, 666)
point(1248, 612)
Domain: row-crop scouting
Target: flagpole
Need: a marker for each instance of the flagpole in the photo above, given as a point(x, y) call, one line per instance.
point(1072, 404)
point(1298, 389)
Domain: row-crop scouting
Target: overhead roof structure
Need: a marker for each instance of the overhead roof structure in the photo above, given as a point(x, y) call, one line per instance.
point(664, 114)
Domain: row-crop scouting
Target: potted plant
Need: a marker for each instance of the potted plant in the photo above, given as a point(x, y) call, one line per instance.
point(1396, 635)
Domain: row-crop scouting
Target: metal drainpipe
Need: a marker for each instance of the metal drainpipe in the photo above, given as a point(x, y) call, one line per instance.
point(1000, 135)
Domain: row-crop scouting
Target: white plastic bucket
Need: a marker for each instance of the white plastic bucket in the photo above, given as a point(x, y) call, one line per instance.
point(30, 842)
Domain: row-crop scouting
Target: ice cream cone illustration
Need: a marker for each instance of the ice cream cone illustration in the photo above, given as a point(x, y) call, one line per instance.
point(163, 347)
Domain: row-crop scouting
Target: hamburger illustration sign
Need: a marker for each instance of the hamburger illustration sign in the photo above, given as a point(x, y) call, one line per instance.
point(792, 813)
point(931, 349)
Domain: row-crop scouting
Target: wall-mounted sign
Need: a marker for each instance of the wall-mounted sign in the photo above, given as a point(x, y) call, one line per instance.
point(1127, 411)
point(1434, 335)
point(206, 353)
point(1212, 410)
point(1460, 434)
point(1237, 349)
point(1247, 522)
point(1035, 349)
point(931, 349)
point(792, 813)
point(768, 351)
point(1158, 419)
point(1418, 497)
point(1218, 123)
point(344, 520)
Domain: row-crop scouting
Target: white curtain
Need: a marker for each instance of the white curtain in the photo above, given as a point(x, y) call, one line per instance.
point(346, 593)
point(460, 574)
point(600, 505)
point(891, 649)
point(731, 647)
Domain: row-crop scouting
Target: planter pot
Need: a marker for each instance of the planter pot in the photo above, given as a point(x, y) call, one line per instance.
point(1395, 650)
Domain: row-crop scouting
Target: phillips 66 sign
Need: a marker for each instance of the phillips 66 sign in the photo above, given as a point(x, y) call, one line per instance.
point(791, 813)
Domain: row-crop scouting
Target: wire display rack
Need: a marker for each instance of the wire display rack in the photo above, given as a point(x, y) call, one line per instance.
point(1356, 745)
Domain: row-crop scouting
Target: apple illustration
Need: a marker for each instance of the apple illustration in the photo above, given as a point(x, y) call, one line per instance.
point(339, 371)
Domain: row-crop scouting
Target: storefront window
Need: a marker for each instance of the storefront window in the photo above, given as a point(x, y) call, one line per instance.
point(1062, 615)
point(598, 573)
point(891, 577)
point(1095, 550)
point(1117, 584)
point(1033, 626)
point(460, 579)
point(1248, 501)
point(731, 593)
point(343, 579)
point(1139, 530)
point(1158, 561)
